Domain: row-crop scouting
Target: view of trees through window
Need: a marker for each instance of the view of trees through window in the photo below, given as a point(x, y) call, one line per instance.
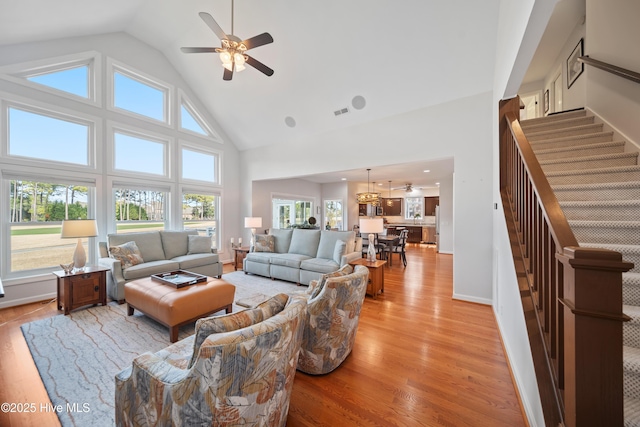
point(36, 212)
point(291, 213)
point(139, 210)
point(333, 214)
point(199, 212)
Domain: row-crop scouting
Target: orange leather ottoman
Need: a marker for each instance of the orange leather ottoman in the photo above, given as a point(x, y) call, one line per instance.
point(176, 307)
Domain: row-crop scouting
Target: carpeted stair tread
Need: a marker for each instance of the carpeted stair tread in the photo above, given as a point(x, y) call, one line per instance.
point(631, 412)
point(598, 191)
point(581, 150)
point(633, 311)
point(559, 124)
point(616, 232)
point(631, 335)
point(598, 161)
point(631, 288)
point(554, 117)
point(571, 131)
point(585, 176)
point(572, 141)
point(601, 210)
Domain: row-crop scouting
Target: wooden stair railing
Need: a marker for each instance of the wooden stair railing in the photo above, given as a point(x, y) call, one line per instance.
point(572, 296)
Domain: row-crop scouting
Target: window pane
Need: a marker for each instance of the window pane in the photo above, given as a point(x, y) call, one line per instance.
point(36, 212)
point(74, 80)
point(199, 212)
point(138, 155)
point(292, 214)
point(333, 214)
point(43, 137)
point(414, 207)
point(139, 210)
point(137, 97)
point(189, 122)
point(198, 166)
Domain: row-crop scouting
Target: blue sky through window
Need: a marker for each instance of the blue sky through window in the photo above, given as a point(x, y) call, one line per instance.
point(198, 166)
point(189, 122)
point(73, 80)
point(138, 155)
point(137, 97)
point(42, 137)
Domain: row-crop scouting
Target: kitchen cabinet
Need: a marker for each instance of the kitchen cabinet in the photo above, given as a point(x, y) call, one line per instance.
point(430, 204)
point(415, 234)
point(395, 209)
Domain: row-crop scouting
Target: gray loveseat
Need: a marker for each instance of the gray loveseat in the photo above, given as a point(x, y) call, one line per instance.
point(161, 251)
point(301, 255)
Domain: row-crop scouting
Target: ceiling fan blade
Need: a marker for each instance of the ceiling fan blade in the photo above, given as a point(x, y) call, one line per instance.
point(259, 65)
point(199, 49)
point(228, 74)
point(208, 19)
point(259, 40)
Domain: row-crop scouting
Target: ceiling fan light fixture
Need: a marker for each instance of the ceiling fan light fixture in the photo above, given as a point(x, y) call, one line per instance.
point(239, 67)
point(228, 65)
point(238, 58)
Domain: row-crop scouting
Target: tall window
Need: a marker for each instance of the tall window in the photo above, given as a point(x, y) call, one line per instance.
point(139, 209)
point(291, 213)
point(333, 214)
point(200, 212)
point(414, 206)
point(36, 212)
point(47, 137)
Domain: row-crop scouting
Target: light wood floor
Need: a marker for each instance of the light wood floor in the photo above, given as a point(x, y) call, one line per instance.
point(420, 359)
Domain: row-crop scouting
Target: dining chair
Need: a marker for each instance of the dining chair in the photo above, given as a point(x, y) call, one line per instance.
point(400, 247)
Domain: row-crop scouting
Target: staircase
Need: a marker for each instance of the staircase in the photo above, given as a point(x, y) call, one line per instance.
point(596, 179)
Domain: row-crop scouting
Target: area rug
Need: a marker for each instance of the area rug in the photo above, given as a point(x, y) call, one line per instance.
point(79, 355)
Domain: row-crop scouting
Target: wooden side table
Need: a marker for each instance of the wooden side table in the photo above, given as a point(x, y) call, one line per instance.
point(81, 288)
point(376, 275)
point(241, 253)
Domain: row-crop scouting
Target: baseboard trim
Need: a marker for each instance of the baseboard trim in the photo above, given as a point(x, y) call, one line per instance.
point(469, 298)
point(27, 300)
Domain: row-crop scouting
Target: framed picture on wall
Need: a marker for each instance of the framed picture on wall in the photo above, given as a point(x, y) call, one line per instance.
point(546, 100)
point(575, 67)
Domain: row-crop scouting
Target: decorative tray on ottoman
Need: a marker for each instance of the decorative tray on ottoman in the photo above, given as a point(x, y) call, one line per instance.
point(179, 278)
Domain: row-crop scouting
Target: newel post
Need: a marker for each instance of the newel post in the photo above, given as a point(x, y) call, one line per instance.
point(593, 318)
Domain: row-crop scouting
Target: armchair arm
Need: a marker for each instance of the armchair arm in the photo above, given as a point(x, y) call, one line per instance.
point(158, 369)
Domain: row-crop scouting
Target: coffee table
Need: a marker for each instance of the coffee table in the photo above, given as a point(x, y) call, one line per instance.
point(175, 307)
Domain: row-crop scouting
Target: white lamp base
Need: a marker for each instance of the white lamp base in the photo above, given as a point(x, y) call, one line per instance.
point(79, 256)
point(252, 241)
point(371, 250)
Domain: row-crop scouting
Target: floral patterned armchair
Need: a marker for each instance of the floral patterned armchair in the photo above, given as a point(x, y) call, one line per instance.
point(333, 313)
point(237, 369)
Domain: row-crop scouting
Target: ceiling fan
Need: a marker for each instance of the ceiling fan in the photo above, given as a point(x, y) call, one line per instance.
point(232, 53)
point(407, 187)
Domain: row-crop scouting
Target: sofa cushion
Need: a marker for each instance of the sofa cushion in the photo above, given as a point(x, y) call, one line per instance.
point(149, 243)
point(264, 243)
point(225, 323)
point(175, 243)
point(196, 260)
point(328, 241)
point(319, 265)
point(127, 253)
point(288, 260)
point(146, 269)
point(198, 245)
point(261, 257)
point(339, 250)
point(282, 239)
point(305, 242)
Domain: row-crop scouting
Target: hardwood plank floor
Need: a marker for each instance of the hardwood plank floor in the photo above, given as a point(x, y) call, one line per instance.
point(420, 359)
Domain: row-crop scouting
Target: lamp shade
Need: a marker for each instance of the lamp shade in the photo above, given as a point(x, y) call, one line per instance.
point(252, 222)
point(77, 228)
point(371, 225)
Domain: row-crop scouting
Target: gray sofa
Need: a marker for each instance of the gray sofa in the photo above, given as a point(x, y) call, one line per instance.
point(161, 251)
point(301, 255)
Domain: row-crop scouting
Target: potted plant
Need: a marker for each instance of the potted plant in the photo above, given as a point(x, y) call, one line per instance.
point(416, 217)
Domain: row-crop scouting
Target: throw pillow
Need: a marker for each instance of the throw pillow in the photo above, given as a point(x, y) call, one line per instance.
point(339, 250)
point(264, 243)
point(224, 323)
point(346, 269)
point(127, 253)
point(199, 245)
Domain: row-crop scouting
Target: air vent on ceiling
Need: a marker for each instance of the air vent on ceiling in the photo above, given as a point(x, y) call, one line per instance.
point(344, 110)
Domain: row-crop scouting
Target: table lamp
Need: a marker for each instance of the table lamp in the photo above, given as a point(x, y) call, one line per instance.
point(79, 228)
point(371, 226)
point(252, 222)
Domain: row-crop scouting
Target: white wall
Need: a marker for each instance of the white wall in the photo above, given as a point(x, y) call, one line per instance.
point(612, 33)
point(142, 57)
point(446, 216)
point(414, 136)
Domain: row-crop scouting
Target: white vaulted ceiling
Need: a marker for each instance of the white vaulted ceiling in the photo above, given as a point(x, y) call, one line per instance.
point(399, 55)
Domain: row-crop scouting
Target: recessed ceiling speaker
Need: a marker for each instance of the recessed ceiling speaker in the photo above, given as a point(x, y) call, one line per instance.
point(358, 102)
point(290, 121)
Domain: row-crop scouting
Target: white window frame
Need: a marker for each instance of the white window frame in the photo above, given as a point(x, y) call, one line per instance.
point(139, 184)
point(207, 192)
point(198, 148)
point(94, 124)
point(18, 73)
point(406, 206)
point(114, 66)
point(113, 128)
point(198, 117)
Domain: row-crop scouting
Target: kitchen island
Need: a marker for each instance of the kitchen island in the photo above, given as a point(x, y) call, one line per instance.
point(418, 233)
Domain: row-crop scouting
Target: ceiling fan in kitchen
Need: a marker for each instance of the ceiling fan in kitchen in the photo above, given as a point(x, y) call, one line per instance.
point(233, 50)
point(407, 187)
